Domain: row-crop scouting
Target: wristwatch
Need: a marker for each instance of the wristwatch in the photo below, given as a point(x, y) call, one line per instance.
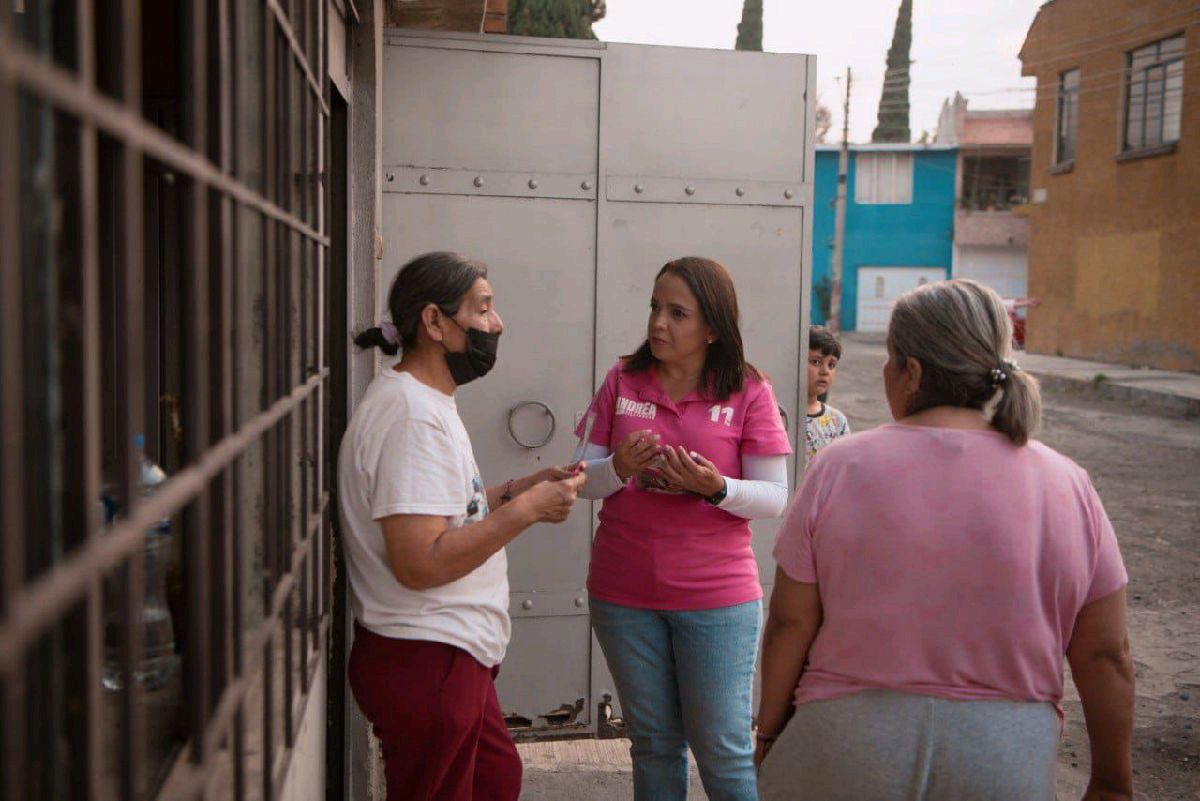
point(718, 496)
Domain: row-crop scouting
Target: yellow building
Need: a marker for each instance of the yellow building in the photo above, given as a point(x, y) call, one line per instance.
point(1114, 250)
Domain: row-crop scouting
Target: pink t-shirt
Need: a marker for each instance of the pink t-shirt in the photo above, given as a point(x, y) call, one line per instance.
point(658, 550)
point(950, 563)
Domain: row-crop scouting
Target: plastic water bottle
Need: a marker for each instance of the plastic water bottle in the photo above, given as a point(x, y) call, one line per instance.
point(158, 663)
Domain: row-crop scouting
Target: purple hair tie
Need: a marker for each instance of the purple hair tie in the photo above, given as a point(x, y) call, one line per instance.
point(390, 333)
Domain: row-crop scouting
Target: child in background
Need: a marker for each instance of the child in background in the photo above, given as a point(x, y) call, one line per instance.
point(824, 423)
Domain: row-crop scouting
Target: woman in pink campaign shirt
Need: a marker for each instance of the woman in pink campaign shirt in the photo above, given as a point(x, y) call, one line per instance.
point(932, 575)
point(686, 447)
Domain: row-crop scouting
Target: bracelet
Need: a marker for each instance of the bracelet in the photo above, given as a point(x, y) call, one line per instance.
point(507, 495)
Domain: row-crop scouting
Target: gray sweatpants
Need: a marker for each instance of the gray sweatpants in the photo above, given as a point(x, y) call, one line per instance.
point(885, 746)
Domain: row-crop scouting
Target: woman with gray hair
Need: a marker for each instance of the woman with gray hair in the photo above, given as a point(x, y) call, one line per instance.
point(932, 575)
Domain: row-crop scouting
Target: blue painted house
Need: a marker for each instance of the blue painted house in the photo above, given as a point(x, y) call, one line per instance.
point(899, 227)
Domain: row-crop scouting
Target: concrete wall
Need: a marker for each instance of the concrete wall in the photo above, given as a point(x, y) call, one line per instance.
point(367, 250)
point(305, 780)
point(1114, 249)
point(917, 234)
point(991, 228)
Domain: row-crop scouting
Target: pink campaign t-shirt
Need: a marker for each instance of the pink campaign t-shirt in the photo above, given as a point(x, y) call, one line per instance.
point(950, 563)
point(657, 550)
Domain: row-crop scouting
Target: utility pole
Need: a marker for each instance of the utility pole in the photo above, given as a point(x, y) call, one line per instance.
point(839, 219)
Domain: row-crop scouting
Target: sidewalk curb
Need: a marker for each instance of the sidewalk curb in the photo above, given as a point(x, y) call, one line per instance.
point(1084, 378)
point(1098, 387)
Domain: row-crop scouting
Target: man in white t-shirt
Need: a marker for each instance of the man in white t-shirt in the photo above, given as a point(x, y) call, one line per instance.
point(424, 542)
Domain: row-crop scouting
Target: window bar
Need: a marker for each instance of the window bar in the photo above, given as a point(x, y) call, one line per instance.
point(306, 457)
point(84, 473)
point(301, 177)
point(320, 217)
point(272, 520)
point(317, 344)
point(268, 722)
point(288, 347)
point(304, 618)
point(298, 15)
point(130, 393)
point(270, 481)
point(277, 363)
point(12, 472)
point(237, 740)
point(225, 557)
point(289, 684)
point(325, 144)
point(196, 332)
point(279, 354)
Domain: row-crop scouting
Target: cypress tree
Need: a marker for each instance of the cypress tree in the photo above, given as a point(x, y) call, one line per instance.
point(750, 28)
point(893, 103)
point(557, 19)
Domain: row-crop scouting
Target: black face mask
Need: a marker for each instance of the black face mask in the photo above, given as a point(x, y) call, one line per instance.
point(474, 362)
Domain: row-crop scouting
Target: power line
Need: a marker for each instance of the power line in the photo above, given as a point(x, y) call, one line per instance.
point(1051, 91)
point(1089, 75)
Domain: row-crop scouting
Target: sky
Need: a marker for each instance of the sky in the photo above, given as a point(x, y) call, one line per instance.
point(958, 45)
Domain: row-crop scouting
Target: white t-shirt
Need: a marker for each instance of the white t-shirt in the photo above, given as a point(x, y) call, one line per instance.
point(406, 452)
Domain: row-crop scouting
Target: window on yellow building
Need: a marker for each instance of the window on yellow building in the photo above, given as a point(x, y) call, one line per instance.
point(1154, 94)
point(1067, 123)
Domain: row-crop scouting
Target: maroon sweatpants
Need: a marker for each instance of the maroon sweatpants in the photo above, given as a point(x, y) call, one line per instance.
point(434, 709)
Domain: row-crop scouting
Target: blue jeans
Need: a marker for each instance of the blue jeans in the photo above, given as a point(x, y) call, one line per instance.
point(685, 678)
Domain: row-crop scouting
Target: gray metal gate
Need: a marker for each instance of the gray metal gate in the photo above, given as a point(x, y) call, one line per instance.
point(576, 169)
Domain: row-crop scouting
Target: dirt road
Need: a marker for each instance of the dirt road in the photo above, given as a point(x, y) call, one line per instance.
point(1147, 471)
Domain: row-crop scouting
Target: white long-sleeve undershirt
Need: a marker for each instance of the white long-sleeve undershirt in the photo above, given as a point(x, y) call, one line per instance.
point(762, 492)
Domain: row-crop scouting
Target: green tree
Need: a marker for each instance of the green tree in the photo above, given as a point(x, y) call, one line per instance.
point(557, 19)
point(893, 103)
point(750, 28)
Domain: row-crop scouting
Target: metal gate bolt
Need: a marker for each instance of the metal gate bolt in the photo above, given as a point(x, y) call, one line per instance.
point(579, 602)
point(478, 181)
point(789, 194)
point(691, 190)
point(739, 191)
point(639, 188)
point(391, 177)
point(424, 180)
point(586, 186)
point(527, 604)
point(533, 184)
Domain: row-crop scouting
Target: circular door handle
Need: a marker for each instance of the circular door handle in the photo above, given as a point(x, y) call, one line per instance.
point(549, 434)
point(783, 413)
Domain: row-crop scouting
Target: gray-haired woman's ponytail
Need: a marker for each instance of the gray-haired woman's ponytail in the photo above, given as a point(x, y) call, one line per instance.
point(1017, 410)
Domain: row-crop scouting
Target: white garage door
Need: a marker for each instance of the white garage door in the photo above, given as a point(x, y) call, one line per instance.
point(878, 288)
point(1003, 269)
